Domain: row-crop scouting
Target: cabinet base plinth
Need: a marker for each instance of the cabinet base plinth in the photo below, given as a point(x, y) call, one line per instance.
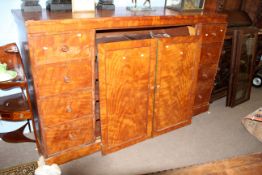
point(157, 133)
point(74, 153)
point(200, 109)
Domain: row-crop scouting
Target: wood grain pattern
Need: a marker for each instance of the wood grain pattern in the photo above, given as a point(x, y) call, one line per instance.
point(67, 21)
point(64, 108)
point(125, 73)
point(61, 47)
point(78, 132)
point(66, 77)
point(241, 165)
point(177, 68)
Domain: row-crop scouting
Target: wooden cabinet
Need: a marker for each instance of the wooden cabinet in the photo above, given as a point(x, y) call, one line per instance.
point(242, 64)
point(94, 96)
point(176, 76)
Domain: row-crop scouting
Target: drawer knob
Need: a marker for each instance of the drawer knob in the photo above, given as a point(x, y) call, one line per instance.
point(167, 46)
point(158, 86)
point(7, 104)
point(66, 79)
point(69, 109)
point(206, 34)
point(181, 53)
point(142, 55)
point(214, 34)
point(209, 54)
point(79, 34)
point(200, 97)
point(123, 58)
point(71, 136)
point(64, 48)
point(204, 75)
point(45, 48)
point(221, 30)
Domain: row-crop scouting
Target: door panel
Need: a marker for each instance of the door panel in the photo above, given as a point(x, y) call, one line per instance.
point(177, 69)
point(242, 67)
point(126, 73)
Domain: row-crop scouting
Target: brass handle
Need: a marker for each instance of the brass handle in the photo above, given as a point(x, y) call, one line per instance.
point(65, 48)
point(66, 79)
point(214, 34)
point(69, 109)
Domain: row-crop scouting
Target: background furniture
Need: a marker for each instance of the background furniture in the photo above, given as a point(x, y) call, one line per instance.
point(111, 94)
point(241, 15)
point(15, 107)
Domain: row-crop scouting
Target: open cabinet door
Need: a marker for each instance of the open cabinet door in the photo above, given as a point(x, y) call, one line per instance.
point(176, 78)
point(126, 75)
point(243, 57)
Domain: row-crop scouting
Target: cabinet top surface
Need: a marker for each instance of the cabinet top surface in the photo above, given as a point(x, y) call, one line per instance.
point(104, 19)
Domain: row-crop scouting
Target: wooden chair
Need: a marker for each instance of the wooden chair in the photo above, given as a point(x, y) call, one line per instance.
point(17, 106)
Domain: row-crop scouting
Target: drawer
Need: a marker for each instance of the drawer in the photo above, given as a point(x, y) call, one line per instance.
point(213, 33)
point(57, 78)
point(62, 108)
point(207, 73)
point(203, 93)
point(61, 47)
point(68, 135)
point(210, 53)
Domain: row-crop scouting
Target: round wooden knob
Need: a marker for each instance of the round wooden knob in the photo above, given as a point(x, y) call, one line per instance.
point(66, 79)
point(69, 109)
point(71, 136)
point(65, 48)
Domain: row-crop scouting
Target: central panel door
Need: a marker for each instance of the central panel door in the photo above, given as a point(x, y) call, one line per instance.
point(126, 75)
point(177, 68)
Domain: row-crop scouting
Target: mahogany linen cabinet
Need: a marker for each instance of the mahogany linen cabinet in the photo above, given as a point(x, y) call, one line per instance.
point(91, 96)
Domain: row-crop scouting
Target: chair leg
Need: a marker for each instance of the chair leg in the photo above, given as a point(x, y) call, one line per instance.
point(29, 126)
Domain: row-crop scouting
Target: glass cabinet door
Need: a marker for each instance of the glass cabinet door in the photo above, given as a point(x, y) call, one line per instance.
point(242, 66)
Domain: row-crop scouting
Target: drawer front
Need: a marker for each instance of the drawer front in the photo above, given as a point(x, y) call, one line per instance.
point(213, 33)
point(66, 136)
point(54, 79)
point(62, 108)
point(61, 47)
point(203, 93)
point(207, 73)
point(210, 53)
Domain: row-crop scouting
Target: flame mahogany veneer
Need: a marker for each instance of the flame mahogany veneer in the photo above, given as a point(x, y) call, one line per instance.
point(133, 90)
